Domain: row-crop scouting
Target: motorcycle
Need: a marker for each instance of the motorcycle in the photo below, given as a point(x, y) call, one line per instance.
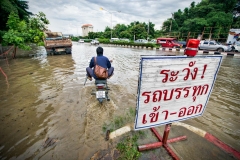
point(101, 89)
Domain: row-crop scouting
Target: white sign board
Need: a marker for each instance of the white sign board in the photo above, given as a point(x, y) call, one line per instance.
point(174, 88)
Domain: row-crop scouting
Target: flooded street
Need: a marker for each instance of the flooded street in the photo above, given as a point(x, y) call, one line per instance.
point(47, 113)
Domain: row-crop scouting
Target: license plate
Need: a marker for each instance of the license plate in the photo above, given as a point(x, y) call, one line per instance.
point(100, 94)
point(59, 50)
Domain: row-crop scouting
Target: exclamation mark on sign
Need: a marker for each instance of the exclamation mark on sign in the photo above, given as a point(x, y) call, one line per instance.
point(204, 69)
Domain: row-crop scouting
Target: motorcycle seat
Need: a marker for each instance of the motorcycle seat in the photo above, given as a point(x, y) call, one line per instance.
point(100, 81)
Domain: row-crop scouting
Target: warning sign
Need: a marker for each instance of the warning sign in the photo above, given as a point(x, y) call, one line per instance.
point(174, 88)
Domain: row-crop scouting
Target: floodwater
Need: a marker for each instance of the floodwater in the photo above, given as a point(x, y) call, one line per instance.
point(47, 113)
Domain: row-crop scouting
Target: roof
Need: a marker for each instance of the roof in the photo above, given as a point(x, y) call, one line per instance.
point(86, 25)
point(166, 38)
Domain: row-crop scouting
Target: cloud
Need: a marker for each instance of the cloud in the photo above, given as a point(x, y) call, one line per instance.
point(68, 16)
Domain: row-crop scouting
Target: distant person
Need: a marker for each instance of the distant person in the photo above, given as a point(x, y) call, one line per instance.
point(101, 61)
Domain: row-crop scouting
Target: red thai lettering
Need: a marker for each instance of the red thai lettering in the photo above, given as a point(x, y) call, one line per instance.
point(174, 76)
point(193, 74)
point(154, 116)
point(179, 92)
point(190, 110)
point(165, 92)
point(166, 75)
point(198, 107)
point(191, 63)
point(187, 90)
point(144, 121)
point(198, 90)
point(166, 115)
point(182, 112)
point(157, 95)
point(188, 73)
point(148, 96)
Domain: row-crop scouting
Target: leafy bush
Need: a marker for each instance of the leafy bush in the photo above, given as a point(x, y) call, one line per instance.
point(103, 40)
point(87, 40)
point(128, 148)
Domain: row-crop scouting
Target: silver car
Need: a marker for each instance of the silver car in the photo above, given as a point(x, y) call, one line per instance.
point(94, 42)
point(213, 45)
point(141, 41)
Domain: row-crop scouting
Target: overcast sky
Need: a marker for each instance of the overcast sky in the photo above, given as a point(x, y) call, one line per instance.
point(67, 16)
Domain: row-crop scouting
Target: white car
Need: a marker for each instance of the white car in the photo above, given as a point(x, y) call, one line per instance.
point(141, 41)
point(81, 41)
point(94, 42)
point(154, 41)
point(237, 47)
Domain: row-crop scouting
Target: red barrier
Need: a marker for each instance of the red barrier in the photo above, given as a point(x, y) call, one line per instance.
point(192, 47)
point(163, 142)
point(222, 145)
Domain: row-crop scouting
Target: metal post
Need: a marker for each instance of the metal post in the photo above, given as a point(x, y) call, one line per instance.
point(166, 133)
point(148, 30)
point(170, 26)
point(111, 25)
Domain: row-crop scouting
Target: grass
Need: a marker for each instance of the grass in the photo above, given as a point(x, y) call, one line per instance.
point(128, 148)
point(128, 145)
point(120, 121)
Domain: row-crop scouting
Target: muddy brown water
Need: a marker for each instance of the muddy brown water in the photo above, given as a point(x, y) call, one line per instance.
point(44, 97)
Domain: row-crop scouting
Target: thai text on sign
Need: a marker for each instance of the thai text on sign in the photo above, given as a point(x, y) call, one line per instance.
point(174, 88)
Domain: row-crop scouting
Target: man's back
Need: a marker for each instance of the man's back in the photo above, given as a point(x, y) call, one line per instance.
point(101, 61)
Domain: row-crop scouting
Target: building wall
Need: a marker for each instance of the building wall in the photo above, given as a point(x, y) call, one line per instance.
point(86, 30)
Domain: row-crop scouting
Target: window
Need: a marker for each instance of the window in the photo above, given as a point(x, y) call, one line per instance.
point(212, 43)
point(205, 42)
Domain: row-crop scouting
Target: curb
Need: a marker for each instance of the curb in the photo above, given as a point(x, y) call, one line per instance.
point(210, 138)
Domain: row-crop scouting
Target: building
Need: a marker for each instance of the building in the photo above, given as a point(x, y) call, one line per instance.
point(86, 28)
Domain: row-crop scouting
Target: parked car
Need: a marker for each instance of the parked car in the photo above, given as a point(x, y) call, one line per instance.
point(114, 39)
point(183, 43)
point(124, 39)
point(168, 42)
point(141, 41)
point(214, 46)
point(154, 41)
point(94, 42)
point(81, 41)
point(236, 47)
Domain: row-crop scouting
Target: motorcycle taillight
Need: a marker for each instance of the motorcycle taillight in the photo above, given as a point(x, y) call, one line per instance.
point(100, 87)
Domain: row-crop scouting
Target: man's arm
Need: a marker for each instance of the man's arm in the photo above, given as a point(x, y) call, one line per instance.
point(108, 63)
point(91, 64)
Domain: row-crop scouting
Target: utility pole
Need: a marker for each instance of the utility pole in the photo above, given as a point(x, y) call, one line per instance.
point(171, 23)
point(134, 30)
point(111, 12)
point(148, 30)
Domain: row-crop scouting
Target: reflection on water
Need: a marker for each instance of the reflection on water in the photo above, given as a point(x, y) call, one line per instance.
point(44, 97)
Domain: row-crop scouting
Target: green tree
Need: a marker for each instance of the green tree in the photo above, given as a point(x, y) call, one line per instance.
point(139, 31)
point(107, 29)
point(119, 28)
point(125, 34)
point(17, 32)
point(194, 25)
point(19, 7)
point(20, 33)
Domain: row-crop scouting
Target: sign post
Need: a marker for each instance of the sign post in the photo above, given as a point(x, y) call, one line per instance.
point(171, 89)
